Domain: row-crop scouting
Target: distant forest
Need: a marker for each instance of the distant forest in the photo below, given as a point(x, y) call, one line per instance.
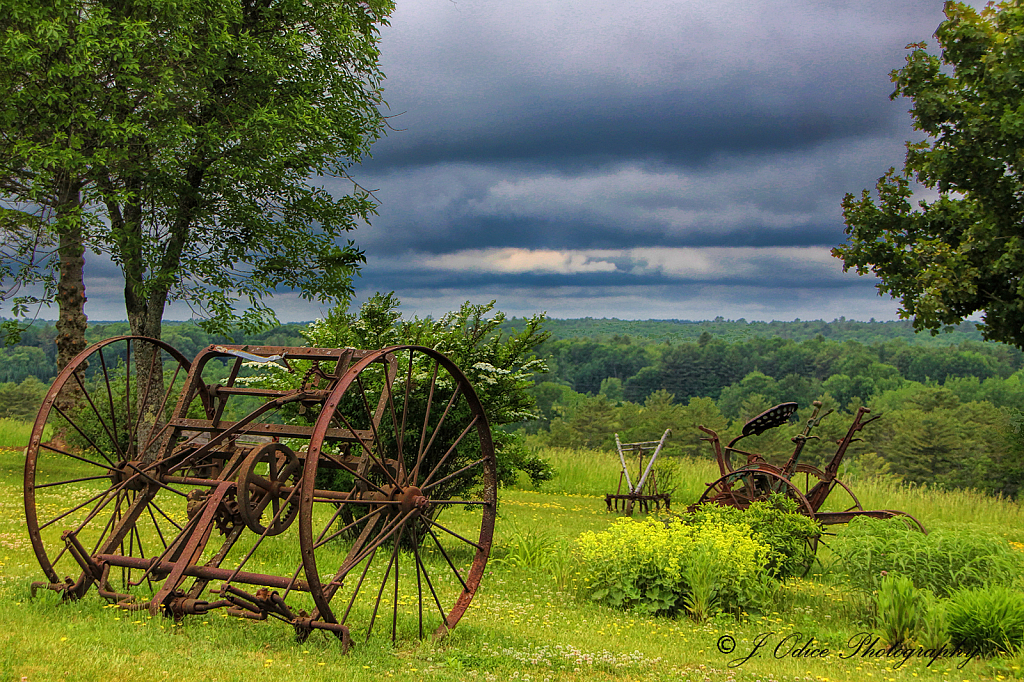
point(36, 353)
point(951, 402)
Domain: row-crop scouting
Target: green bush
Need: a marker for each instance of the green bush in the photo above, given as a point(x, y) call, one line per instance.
point(529, 549)
point(661, 565)
point(933, 632)
point(791, 536)
point(942, 561)
point(775, 522)
point(499, 366)
point(989, 620)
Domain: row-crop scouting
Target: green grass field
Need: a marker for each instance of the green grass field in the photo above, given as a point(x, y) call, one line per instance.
point(525, 623)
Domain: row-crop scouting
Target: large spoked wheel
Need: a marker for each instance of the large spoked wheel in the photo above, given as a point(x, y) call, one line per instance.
point(808, 478)
point(405, 440)
point(91, 484)
point(745, 486)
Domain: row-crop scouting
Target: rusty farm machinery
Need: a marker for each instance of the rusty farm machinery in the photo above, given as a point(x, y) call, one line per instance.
point(645, 490)
point(360, 489)
point(747, 476)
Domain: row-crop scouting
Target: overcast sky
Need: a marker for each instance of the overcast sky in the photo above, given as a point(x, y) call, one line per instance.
point(660, 159)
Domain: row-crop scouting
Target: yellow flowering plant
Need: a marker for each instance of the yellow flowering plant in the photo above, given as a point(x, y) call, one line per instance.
point(653, 565)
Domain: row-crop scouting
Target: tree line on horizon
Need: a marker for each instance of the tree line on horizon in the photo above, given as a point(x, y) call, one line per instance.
point(35, 354)
point(951, 412)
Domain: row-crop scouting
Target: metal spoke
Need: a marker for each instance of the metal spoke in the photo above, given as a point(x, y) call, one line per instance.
point(141, 403)
point(454, 445)
point(163, 404)
point(394, 612)
point(46, 446)
point(383, 584)
point(110, 395)
point(365, 517)
point(445, 555)
point(430, 585)
point(164, 514)
point(395, 525)
point(103, 533)
point(454, 474)
point(419, 583)
point(437, 427)
point(149, 508)
point(405, 407)
point(426, 421)
point(71, 480)
point(362, 478)
point(99, 416)
point(450, 532)
point(116, 488)
point(359, 585)
point(84, 435)
point(373, 430)
point(369, 454)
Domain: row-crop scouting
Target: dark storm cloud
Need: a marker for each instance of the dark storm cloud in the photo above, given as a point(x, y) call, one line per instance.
point(671, 127)
point(758, 200)
point(592, 82)
point(590, 125)
point(411, 279)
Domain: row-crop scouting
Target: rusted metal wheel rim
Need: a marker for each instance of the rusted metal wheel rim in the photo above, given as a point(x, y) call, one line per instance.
point(94, 484)
point(742, 487)
point(422, 430)
point(806, 476)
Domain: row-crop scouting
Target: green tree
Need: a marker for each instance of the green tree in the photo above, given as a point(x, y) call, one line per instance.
point(649, 421)
point(734, 398)
point(203, 131)
point(961, 253)
point(592, 425)
point(54, 117)
point(500, 367)
point(21, 401)
point(687, 437)
point(611, 388)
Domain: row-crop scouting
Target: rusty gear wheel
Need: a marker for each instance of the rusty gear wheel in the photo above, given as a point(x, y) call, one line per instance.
point(264, 474)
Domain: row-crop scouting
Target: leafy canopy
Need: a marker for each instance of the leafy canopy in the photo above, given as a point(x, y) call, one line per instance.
point(961, 253)
point(201, 134)
point(499, 366)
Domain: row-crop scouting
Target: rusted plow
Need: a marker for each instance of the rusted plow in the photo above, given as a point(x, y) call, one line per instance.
point(748, 476)
point(645, 490)
point(361, 492)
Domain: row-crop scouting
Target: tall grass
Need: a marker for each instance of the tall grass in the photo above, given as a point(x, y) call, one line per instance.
point(14, 433)
point(935, 507)
point(581, 471)
point(943, 561)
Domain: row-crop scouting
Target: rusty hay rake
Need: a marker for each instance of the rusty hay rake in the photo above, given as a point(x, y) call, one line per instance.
point(361, 493)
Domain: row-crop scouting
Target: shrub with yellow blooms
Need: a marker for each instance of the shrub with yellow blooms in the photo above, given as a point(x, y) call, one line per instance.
point(660, 565)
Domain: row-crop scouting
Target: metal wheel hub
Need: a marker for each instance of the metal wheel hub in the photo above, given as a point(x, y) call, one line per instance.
point(413, 498)
point(123, 472)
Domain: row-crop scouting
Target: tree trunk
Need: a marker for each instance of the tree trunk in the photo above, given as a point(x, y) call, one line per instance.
point(72, 322)
point(145, 316)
